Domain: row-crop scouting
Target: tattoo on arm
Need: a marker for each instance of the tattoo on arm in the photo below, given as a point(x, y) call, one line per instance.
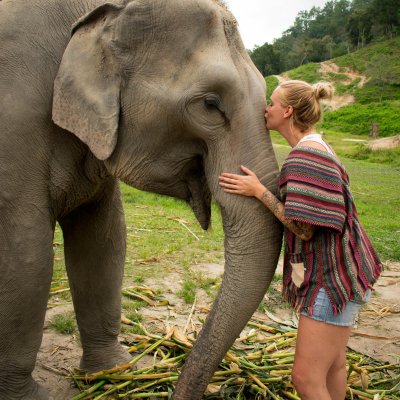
point(301, 229)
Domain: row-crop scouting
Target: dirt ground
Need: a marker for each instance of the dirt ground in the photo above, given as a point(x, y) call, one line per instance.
point(385, 143)
point(337, 101)
point(377, 333)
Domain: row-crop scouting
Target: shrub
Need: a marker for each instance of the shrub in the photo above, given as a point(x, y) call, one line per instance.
point(357, 118)
point(308, 72)
point(272, 82)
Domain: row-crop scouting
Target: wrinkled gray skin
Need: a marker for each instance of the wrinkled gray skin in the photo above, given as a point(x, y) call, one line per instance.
point(158, 93)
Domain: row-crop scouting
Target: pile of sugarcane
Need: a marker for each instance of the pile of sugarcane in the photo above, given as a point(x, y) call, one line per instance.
point(258, 366)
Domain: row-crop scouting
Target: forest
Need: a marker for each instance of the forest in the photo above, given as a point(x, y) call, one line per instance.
point(339, 28)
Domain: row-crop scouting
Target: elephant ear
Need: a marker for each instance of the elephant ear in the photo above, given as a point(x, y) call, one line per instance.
point(86, 98)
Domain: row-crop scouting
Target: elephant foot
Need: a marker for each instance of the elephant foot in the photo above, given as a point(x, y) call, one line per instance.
point(31, 390)
point(102, 358)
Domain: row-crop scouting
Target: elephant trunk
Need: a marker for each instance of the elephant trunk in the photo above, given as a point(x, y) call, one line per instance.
point(252, 247)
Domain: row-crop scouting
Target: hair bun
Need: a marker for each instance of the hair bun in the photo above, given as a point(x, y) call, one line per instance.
point(323, 90)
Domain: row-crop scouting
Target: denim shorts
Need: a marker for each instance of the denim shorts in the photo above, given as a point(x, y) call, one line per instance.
point(323, 311)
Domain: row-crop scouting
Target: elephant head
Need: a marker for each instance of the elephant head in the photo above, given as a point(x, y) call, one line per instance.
point(165, 94)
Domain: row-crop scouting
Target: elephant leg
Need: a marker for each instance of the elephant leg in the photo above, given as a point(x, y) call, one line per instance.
point(26, 257)
point(94, 245)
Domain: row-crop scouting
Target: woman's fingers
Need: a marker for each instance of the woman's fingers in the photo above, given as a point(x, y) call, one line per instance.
point(246, 170)
point(230, 176)
point(239, 184)
point(229, 185)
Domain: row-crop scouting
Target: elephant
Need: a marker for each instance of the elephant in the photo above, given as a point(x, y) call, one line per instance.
point(159, 94)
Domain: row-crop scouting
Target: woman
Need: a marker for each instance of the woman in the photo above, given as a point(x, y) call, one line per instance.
point(329, 263)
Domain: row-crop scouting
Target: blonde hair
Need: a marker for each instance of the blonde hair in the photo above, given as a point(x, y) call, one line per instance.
point(305, 100)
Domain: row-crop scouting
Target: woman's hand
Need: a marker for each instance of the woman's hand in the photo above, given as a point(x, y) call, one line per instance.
point(246, 185)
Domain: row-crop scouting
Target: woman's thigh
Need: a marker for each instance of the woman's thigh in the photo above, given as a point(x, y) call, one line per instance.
point(317, 347)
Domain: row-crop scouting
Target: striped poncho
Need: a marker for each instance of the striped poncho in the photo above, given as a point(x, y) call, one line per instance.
point(339, 257)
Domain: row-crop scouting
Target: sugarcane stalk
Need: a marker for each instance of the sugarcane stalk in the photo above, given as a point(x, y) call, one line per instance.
point(171, 361)
point(228, 372)
point(146, 395)
point(254, 356)
point(113, 389)
point(278, 336)
point(258, 390)
point(380, 367)
point(170, 379)
point(97, 375)
point(272, 379)
point(132, 377)
point(89, 391)
point(275, 397)
point(281, 354)
point(360, 393)
point(265, 328)
point(281, 343)
point(256, 380)
point(141, 345)
point(282, 372)
point(291, 396)
point(135, 295)
point(274, 367)
point(264, 372)
point(147, 351)
point(380, 382)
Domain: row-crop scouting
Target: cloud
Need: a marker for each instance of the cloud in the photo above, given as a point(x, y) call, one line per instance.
point(263, 21)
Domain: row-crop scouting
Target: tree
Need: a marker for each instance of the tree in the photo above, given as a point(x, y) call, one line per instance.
point(382, 73)
point(266, 59)
point(387, 14)
point(359, 27)
point(323, 33)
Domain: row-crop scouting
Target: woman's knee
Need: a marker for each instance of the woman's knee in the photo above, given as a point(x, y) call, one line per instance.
point(339, 364)
point(304, 383)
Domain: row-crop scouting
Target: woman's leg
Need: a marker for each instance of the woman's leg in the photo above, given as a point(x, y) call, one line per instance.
point(336, 380)
point(319, 371)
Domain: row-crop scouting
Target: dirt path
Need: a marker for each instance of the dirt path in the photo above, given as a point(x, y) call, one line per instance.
point(328, 66)
point(337, 101)
point(377, 333)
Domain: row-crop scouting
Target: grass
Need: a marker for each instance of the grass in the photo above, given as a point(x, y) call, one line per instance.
point(381, 156)
point(64, 323)
point(357, 118)
point(197, 280)
point(359, 60)
point(188, 292)
point(135, 316)
point(307, 72)
point(271, 82)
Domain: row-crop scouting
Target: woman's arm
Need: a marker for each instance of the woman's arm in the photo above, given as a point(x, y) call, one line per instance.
point(249, 185)
point(301, 229)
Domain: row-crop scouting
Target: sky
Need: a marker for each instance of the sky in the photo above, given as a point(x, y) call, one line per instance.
point(263, 21)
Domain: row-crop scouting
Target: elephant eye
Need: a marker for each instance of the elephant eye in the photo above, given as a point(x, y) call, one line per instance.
point(212, 102)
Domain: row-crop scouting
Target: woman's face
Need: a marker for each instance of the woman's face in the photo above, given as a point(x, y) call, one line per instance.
point(275, 112)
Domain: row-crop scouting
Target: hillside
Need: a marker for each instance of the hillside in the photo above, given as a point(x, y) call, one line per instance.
point(367, 88)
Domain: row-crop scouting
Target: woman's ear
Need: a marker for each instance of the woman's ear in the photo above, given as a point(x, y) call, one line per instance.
point(288, 112)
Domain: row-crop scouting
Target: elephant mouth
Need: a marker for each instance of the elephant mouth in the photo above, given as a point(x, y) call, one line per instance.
point(199, 192)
